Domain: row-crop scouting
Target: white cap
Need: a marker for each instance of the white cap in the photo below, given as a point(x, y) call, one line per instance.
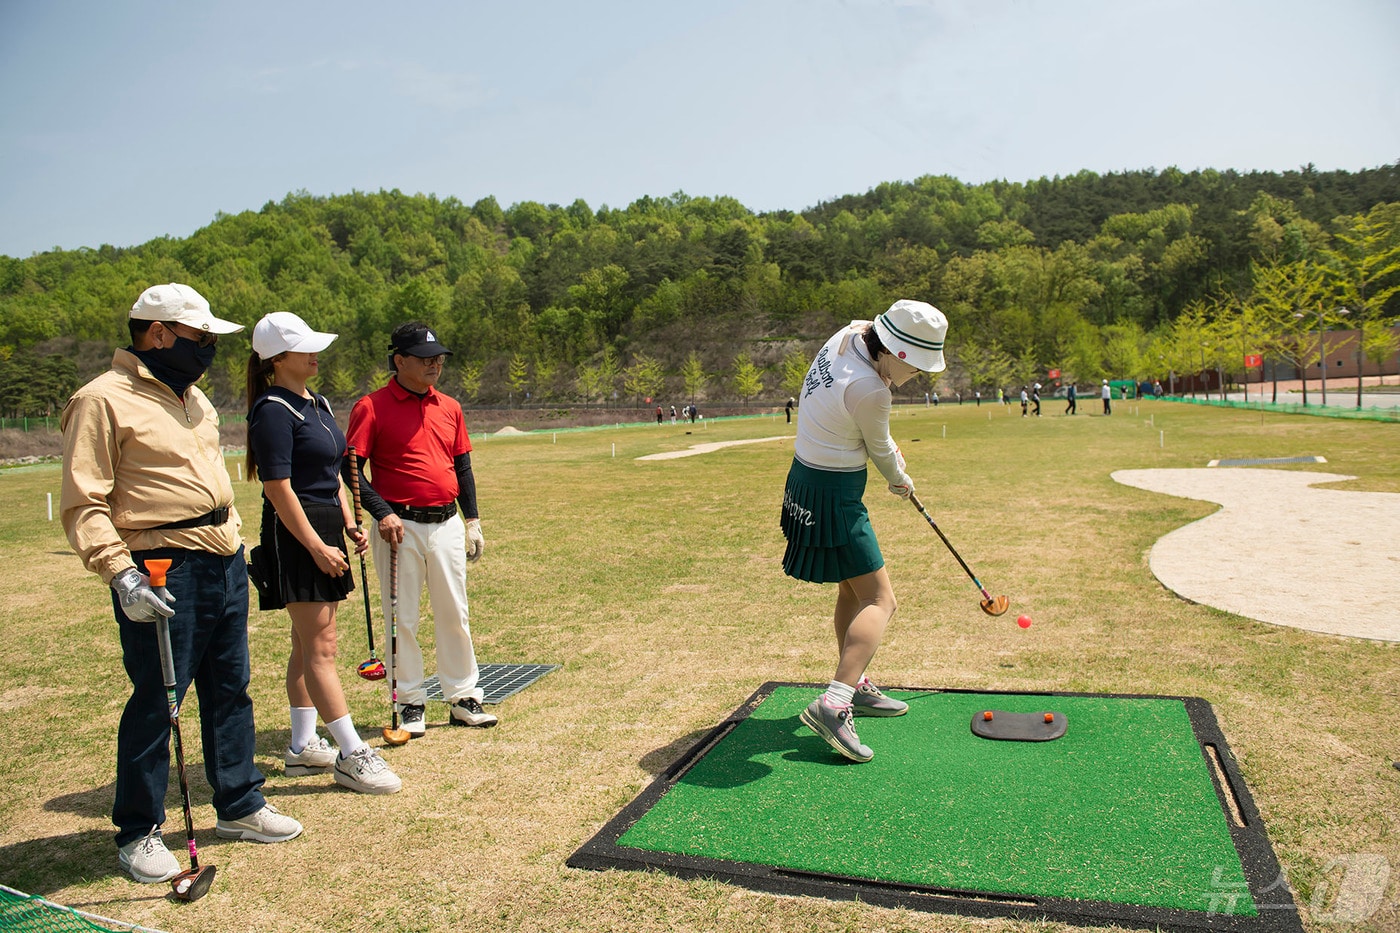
point(181, 304)
point(914, 332)
point(284, 332)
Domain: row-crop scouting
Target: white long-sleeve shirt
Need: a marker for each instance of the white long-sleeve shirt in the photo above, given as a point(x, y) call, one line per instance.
point(844, 416)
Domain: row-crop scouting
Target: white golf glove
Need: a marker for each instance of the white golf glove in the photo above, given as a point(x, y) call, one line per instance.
point(475, 542)
point(903, 487)
point(139, 602)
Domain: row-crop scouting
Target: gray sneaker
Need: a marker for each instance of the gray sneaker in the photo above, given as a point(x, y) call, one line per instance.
point(148, 860)
point(468, 712)
point(366, 772)
point(411, 718)
point(316, 758)
point(836, 726)
point(265, 825)
point(869, 701)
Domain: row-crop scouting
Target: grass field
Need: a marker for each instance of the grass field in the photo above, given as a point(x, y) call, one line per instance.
point(658, 586)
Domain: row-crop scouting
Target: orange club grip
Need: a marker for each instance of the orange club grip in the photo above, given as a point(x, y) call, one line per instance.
point(157, 569)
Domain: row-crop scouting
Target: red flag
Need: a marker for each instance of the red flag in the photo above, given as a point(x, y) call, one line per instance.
point(1053, 374)
point(1252, 360)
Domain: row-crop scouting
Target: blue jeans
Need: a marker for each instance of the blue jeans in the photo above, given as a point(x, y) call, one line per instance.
point(209, 644)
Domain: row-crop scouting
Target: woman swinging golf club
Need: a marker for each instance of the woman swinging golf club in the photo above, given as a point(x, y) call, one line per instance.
point(843, 420)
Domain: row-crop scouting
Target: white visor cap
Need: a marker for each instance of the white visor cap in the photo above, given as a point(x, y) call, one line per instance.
point(914, 332)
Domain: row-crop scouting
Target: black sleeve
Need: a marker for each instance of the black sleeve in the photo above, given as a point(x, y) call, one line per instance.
point(374, 505)
point(466, 485)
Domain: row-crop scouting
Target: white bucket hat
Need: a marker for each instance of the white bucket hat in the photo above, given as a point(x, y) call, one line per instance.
point(914, 332)
point(284, 332)
point(181, 304)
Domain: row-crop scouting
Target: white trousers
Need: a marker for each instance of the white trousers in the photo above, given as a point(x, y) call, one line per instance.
point(436, 554)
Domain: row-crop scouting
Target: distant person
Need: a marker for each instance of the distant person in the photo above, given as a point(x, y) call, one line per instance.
point(659, 414)
point(1003, 396)
point(1071, 400)
point(1035, 397)
point(1156, 388)
point(790, 402)
point(673, 414)
point(1025, 401)
point(419, 453)
point(296, 448)
point(143, 479)
point(979, 398)
point(694, 412)
point(935, 400)
point(844, 420)
point(1107, 394)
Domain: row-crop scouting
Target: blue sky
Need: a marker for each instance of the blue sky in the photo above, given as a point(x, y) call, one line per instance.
point(124, 121)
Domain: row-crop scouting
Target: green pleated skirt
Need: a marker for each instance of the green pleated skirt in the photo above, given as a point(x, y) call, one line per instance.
point(829, 538)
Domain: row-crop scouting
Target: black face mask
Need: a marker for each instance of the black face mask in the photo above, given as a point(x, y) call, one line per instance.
point(181, 365)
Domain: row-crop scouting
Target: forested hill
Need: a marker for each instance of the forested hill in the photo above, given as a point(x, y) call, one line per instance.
point(700, 296)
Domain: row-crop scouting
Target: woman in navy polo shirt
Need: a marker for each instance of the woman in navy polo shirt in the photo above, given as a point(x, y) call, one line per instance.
point(294, 447)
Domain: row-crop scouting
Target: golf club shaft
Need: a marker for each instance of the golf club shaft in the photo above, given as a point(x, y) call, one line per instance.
point(167, 664)
point(952, 550)
point(394, 636)
point(364, 586)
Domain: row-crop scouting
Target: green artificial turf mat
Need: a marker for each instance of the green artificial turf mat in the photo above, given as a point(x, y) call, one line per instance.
point(1123, 810)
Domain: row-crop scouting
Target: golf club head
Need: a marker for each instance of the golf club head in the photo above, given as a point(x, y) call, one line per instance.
point(995, 605)
point(396, 736)
point(373, 669)
point(193, 883)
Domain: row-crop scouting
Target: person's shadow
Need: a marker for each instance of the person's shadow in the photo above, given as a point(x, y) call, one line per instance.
point(692, 759)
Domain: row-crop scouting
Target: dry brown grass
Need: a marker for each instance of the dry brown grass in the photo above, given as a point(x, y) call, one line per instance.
point(658, 586)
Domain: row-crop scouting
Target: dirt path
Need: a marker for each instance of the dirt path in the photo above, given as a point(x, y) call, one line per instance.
point(694, 449)
point(1282, 552)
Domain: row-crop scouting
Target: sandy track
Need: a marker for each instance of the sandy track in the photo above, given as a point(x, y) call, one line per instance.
point(1280, 551)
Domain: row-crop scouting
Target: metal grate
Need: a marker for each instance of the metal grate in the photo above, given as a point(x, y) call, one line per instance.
point(498, 681)
point(1264, 461)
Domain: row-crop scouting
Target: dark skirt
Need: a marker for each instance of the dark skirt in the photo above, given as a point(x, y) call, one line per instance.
point(829, 538)
point(294, 576)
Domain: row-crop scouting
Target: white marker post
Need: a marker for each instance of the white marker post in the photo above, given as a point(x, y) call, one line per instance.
point(49, 495)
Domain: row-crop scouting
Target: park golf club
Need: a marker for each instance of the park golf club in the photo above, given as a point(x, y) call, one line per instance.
point(192, 883)
point(392, 733)
point(373, 669)
point(991, 605)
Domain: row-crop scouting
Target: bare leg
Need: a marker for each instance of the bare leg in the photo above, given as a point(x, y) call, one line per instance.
point(864, 606)
point(311, 675)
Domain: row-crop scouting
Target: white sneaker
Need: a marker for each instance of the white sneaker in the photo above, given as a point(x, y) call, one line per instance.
point(148, 860)
point(366, 772)
point(411, 718)
point(468, 712)
point(265, 825)
point(316, 758)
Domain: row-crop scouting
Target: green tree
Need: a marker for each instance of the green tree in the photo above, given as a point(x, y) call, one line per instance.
point(793, 371)
point(644, 378)
point(1281, 292)
point(518, 375)
point(1363, 272)
point(469, 376)
point(693, 375)
point(748, 378)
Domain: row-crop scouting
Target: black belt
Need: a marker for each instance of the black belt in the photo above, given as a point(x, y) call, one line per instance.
point(428, 514)
point(217, 517)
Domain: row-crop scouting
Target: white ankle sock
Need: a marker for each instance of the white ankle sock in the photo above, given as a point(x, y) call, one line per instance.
point(303, 727)
point(343, 731)
point(839, 694)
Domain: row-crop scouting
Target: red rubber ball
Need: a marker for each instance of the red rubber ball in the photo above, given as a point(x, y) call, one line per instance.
point(1023, 621)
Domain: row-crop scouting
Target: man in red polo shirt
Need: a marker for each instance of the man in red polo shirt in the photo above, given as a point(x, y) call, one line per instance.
point(415, 441)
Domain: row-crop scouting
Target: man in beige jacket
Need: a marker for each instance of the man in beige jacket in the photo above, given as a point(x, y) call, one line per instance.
point(143, 478)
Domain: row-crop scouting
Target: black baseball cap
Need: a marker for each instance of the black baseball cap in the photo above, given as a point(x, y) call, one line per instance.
point(415, 339)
